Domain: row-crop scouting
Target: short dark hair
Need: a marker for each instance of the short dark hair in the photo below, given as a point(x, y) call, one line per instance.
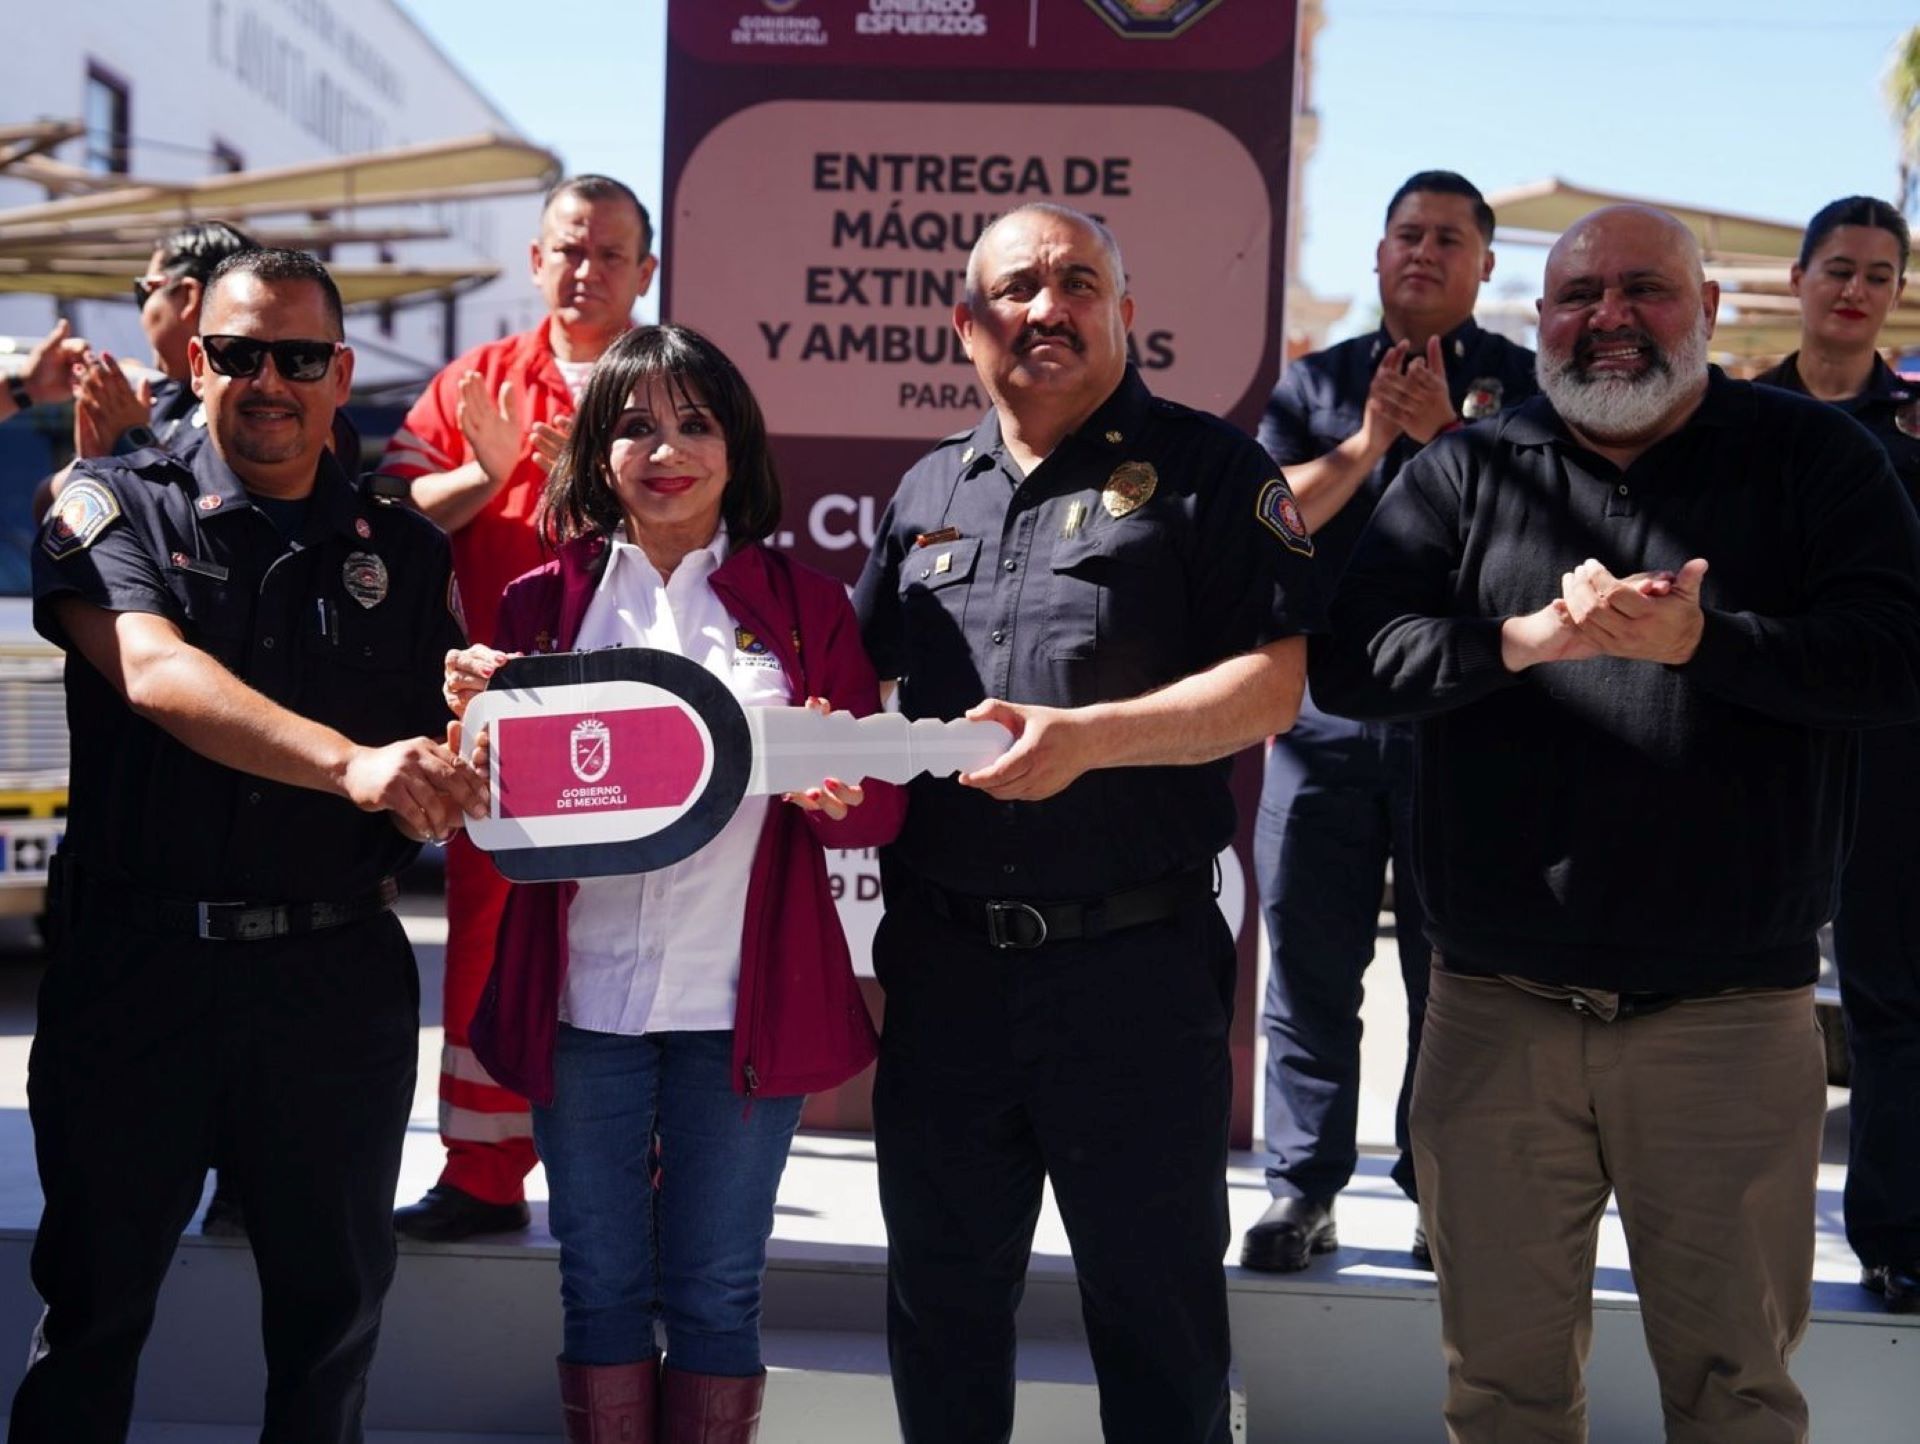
point(269, 264)
point(580, 500)
point(194, 250)
point(1855, 211)
point(602, 188)
point(1092, 225)
point(1446, 183)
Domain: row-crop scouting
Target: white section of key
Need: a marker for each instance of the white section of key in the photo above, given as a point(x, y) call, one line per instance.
point(794, 748)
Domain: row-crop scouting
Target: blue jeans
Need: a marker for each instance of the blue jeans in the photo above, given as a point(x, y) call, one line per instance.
point(662, 1182)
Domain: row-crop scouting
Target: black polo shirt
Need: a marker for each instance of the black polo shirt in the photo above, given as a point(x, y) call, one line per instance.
point(984, 582)
point(1889, 407)
point(1322, 398)
point(1621, 824)
point(346, 625)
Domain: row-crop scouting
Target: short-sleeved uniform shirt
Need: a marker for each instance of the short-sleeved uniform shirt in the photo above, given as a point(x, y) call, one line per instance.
point(346, 625)
point(175, 412)
point(500, 543)
point(1154, 542)
point(1889, 407)
point(1322, 399)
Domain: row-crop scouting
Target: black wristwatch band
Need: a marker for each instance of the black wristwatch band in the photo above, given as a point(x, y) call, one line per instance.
point(137, 437)
point(17, 389)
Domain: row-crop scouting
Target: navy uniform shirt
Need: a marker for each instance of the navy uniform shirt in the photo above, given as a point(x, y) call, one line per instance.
point(1322, 398)
point(1889, 407)
point(347, 626)
point(176, 413)
point(984, 582)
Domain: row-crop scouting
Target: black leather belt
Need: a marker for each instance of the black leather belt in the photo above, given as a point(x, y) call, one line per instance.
point(245, 922)
point(1023, 923)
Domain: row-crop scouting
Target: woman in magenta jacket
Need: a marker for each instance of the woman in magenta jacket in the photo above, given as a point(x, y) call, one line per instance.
point(666, 1025)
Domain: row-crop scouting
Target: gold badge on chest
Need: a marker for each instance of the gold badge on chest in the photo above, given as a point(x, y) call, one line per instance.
point(1129, 488)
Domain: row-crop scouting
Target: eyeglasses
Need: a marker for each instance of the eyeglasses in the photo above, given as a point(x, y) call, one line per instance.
point(145, 286)
point(295, 360)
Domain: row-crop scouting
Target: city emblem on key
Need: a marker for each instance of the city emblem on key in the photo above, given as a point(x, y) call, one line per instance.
point(629, 760)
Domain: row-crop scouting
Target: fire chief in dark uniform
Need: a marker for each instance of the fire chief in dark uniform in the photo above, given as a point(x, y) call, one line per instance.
point(253, 672)
point(1123, 583)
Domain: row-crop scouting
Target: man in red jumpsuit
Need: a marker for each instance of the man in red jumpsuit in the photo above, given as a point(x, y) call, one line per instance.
point(475, 450)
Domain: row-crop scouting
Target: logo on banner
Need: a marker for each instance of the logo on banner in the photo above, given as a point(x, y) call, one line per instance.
point(780, 27)
point(1151, 19)
point(567, 764)
point(591, 750)
point(921, 17)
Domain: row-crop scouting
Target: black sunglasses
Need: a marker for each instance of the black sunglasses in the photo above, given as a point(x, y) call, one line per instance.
point(243, 356)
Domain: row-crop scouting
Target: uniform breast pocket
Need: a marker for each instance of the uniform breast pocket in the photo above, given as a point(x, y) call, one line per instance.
point(935, 585)
point(363, 672)
point(1117, 592)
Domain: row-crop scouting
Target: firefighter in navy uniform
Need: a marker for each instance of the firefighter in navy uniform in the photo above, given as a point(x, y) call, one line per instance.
point(1338, 798)
point(1123, 583)
point(1851, 270)
point(254, 659)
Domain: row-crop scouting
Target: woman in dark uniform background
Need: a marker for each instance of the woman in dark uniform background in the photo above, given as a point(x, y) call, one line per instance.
point(1851, 271)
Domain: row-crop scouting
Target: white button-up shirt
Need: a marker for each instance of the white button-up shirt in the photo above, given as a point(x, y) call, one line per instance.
point(660, 951)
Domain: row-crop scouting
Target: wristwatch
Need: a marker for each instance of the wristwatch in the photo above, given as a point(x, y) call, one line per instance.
point(135, 438)
point(17, 390)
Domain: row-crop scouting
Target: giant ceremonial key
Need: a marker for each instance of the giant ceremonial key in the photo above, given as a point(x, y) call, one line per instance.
point(629, 760)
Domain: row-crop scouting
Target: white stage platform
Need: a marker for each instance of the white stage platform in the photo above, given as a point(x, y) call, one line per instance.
point(1345, 1353)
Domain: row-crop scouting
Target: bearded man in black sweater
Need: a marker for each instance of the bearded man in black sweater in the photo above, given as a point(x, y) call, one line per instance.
point(1640, 619)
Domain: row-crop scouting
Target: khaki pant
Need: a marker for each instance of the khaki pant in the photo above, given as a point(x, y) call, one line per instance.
point(1704, 1120)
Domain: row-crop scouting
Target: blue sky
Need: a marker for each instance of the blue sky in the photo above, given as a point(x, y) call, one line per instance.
point(1769, 107)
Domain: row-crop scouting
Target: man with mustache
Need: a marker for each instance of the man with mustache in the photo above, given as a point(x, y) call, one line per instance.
point(475, 450)
point(253, 684)
point(1639, 619)
point(1338, 797)
point(1123, 583)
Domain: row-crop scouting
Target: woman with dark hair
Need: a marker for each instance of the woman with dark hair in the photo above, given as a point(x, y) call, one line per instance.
point(666, 1025)
point(1852, 268)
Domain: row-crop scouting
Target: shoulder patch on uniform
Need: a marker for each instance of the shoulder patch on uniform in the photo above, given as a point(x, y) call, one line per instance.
point(1279, 513)
point(85, 509)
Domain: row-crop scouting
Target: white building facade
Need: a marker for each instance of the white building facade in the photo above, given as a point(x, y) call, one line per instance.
point(173, 89)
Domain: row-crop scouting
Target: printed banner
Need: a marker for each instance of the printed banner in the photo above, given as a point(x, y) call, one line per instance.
point(829, 165)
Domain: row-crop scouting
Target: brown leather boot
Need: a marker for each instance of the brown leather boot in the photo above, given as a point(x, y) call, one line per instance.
point(709, 1408)
point(611, 1403)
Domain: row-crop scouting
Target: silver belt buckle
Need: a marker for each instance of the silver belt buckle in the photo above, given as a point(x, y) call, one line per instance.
point(997, 915)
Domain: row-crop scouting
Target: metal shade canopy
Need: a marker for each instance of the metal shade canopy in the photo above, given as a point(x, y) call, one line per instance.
point(88, 246)
point(477, 165)
point(1748, 255)
point(359, 285)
